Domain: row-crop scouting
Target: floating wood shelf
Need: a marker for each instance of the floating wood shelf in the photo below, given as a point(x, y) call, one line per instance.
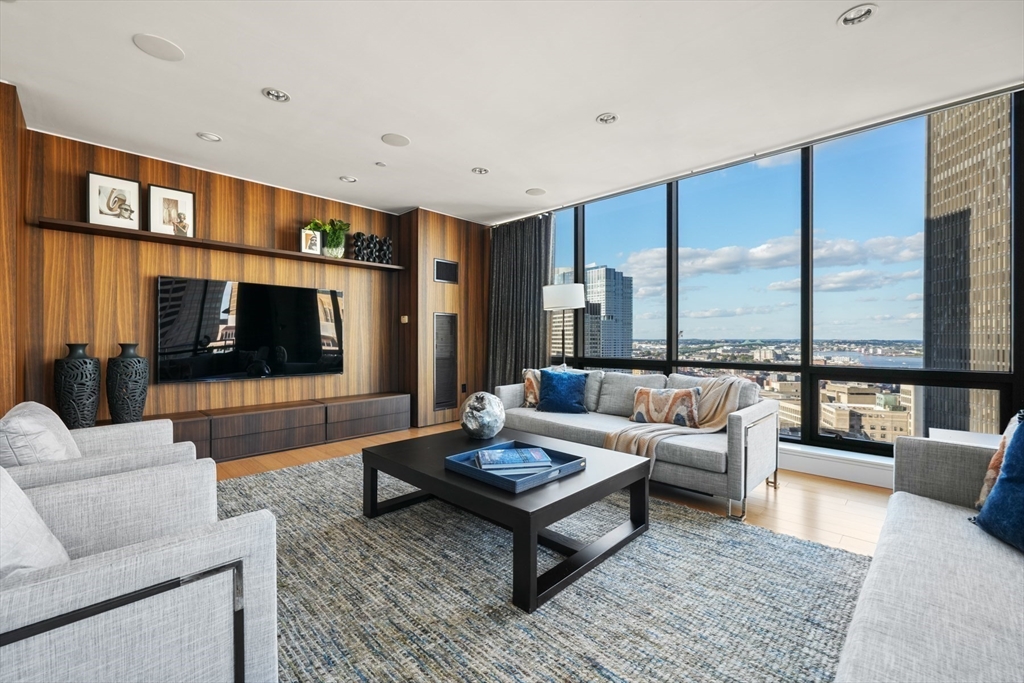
point(145, 236)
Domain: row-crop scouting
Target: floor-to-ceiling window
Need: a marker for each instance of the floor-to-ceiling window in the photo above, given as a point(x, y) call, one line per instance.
point(865, 282)
point(625, 276)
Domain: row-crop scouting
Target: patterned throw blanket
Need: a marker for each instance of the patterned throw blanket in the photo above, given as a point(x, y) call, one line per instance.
point(718, 397)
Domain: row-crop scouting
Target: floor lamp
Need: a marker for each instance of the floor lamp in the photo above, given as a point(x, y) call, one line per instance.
point(564, 298)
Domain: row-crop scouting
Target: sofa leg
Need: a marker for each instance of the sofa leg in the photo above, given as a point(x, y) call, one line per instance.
point(743, 510)
point(773, 481)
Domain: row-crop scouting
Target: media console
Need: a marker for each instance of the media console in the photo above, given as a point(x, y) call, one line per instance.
point(231, 433)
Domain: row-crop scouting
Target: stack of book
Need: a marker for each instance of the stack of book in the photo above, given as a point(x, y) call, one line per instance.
point(513, 461)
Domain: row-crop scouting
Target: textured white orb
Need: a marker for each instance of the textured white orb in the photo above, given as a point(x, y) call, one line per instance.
point(483, 415)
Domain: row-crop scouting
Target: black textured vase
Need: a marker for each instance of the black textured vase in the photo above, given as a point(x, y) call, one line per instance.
point(127, 385)
point(76, 379)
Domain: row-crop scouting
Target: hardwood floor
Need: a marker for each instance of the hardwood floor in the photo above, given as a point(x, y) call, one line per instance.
point(830, 511)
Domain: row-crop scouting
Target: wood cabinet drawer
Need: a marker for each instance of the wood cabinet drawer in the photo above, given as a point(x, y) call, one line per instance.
point(266, 442)
point(246, 421)
point(349, 429)
point(356, 409)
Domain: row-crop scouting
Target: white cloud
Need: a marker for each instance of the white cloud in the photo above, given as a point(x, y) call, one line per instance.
point(649, 291)
point(846, 252)
point(896, 320)
point(848, 281)
point(867, 299)
point(916, 296)
point(648, 266)
point(735, 312)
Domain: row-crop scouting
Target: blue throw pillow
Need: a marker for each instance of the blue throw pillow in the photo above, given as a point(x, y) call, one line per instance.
point(1002, 515)
point(562, 392)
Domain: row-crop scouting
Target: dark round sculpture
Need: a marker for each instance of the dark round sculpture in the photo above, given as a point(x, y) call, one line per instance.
point(76, 381)
point(483, 415)
point(127, 385)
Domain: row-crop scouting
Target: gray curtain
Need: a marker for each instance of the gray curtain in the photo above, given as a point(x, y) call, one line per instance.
point(521, 264)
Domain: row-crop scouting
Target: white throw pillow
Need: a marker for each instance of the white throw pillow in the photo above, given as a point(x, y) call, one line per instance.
point(26, 543)
point(31, 433)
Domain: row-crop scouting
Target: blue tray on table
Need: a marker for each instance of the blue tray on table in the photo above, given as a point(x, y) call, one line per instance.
point(562, 465)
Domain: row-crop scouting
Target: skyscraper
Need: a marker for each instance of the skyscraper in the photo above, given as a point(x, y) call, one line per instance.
point(967, 258)
point(612, 292)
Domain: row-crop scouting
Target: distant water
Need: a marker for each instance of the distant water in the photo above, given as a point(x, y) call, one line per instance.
point(876, 361)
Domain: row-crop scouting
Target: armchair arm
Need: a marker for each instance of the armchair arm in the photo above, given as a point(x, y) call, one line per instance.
point(753, 447)
point(103, 513)
point(183, 633)
point(950, 472)
point(133, 436)
point(511, 395)
point(77, 469)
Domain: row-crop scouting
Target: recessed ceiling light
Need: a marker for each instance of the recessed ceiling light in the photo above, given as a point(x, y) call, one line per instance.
point(209, 137)
point(158, 47)
point(348, 179)
point(857, 15)
point(395, 140)
point(607, 118)
point(276, 95)
point(480, 170)
point(380, 163)
point(536, 191)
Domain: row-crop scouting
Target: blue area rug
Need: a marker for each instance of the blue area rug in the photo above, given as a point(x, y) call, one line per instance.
point(424, 593)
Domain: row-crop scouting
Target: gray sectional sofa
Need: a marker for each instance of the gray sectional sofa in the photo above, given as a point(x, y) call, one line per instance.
point(943, 600)
point(729, 464)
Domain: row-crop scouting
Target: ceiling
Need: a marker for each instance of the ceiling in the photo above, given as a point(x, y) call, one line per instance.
point(511, 86)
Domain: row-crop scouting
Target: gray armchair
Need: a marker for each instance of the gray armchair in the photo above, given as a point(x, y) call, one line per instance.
point(110, 450)
point(157, 588)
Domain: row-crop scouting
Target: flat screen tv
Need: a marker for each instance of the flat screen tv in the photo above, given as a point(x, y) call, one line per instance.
point(213, 330)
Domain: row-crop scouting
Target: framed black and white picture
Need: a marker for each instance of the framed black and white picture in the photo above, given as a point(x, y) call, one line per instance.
point(113, 201)
point(310, 241)
point(172, 212)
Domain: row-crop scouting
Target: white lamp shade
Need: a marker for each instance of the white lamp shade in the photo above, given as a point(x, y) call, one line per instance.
point(564, 297)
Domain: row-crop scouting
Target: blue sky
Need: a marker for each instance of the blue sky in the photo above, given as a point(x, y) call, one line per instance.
point(739, 243)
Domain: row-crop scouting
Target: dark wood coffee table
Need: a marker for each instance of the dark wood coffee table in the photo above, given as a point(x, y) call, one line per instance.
point(420, 462)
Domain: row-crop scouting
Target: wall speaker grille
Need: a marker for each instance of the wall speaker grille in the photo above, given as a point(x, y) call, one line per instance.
point(446, 271)
point(446, 361)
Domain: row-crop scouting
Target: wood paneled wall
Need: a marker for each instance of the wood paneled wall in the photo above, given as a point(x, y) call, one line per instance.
point(101, 290)
point(12, 127)
point(423, 236)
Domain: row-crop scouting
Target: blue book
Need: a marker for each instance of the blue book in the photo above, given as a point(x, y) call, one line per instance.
point(513, 458)
point(517, 471)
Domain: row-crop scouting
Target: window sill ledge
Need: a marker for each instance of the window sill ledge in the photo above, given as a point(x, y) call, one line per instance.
point(862, 468)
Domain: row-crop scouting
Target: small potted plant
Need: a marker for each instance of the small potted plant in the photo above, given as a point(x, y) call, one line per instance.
point(334, 232)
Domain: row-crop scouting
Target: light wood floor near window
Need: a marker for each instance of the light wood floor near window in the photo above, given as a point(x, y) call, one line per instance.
point(830, 511)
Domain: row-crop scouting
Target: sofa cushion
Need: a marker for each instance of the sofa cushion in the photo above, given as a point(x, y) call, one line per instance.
point(531, 388)
point(750, 393)
point(942, 601)
point(1003, 512)
point(701, 451)
point(706, 452)
point(995, 465)
point(31, 433)
point(26, 543)
point(668, 406)
point(617, 391)
point(594, 379)
point(585, 428)
point(561, 392)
